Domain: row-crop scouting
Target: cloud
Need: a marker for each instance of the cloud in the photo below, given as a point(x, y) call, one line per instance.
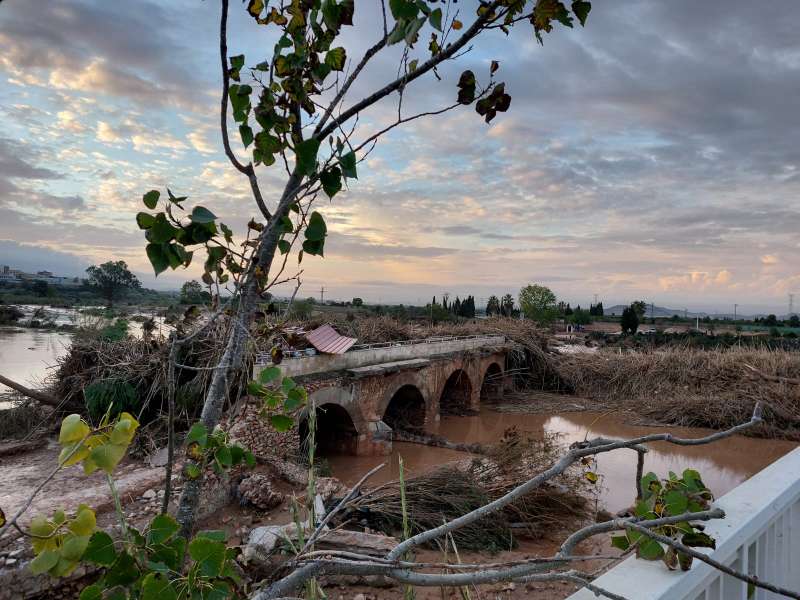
point(769, 259)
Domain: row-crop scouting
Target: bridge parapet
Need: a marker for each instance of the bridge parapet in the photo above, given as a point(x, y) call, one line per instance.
point(373, 354)
point(760, 535)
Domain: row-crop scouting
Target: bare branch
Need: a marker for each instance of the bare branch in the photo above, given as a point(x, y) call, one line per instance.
point(223, 116)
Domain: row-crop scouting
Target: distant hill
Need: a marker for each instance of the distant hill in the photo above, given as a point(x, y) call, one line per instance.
point(658, 311)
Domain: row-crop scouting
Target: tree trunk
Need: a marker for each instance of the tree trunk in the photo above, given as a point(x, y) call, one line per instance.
point(234, 349)
point(42, 397)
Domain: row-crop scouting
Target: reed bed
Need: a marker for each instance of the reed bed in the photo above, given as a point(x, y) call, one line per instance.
point(692, 387)
point(453, 490)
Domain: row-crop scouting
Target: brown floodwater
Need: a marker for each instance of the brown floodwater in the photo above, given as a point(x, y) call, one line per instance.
point(723, 464)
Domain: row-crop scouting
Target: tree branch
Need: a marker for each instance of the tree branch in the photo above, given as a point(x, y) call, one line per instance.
point(244, 169)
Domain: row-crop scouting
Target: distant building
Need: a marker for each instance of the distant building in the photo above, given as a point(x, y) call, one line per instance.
point(9, 275)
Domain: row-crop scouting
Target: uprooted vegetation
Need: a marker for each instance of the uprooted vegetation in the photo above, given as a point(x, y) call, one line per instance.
point(456, 489)
point(691, 387)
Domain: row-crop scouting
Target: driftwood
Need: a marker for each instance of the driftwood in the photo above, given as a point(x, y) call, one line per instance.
point(42, 397)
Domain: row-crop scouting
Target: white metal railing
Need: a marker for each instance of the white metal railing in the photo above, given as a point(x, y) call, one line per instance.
point(760, 536)
point(264, 357)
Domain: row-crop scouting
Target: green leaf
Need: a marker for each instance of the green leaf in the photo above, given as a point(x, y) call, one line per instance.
point(650, 549)
point(693, 480)
point(192, 471)
point(348, 164)
point(158, 258)
point(74, 547)
point(157, 587)
point(403, 9)
point(123, 572)
point(237, 62)
point(107, 456)
point(269, 374)
point(216, 535)
point(295, 399)
point(223, 456)
point(247, 135)
point(145, 220)
point(208, 554)
point(84, 522)
point(676, 502)
point(249, 459)
point(466, 87)
point(335, 58)
point(44, 562)
point(436, 19)
point(412, 29)
point(202, 215)
point(281, 423)
point(73, 429)
point(101, 549)
point(287, 385)
point(316, 229)
point(313, 247)
point(198, 433)
point(581, 10)
point(698, 539)
point(620, 541)
point(331, 181)
point(162, 528)
point(284, 246)
point(306, 153)
point(92, 592)
point(161, 231)
point(150, 199)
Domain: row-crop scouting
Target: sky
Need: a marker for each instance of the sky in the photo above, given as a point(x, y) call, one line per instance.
point(653, 154)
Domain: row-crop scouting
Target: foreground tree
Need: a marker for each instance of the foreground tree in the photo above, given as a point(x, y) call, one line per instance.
point(538, 302)
point(293, 113)
point(112, 280)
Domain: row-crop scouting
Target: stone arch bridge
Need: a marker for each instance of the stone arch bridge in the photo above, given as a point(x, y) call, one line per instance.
point(363, 395)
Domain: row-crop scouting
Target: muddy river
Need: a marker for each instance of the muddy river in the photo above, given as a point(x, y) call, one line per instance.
point(723, 465)
point(28, 355)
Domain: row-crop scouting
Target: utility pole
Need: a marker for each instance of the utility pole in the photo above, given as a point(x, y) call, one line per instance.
point(685, 313)
point(735, 307)
point(595, 299)
point(791, 304)
point(322, 295)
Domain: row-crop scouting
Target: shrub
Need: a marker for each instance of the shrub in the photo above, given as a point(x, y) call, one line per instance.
point(101, 394)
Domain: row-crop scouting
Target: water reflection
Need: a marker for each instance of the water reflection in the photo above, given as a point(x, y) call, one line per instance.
point(723, 465)
point(27, 354)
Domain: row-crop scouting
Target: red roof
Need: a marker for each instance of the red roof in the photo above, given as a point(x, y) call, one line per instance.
point(326, 339)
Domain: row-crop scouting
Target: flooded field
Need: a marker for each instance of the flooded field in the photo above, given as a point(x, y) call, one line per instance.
point(28, 354)
point(723, 465)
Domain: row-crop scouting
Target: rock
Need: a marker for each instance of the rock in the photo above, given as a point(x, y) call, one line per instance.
point(149, 494)
point(359, 597)
point(328, 487)
point(257, 490)
point(159, 457)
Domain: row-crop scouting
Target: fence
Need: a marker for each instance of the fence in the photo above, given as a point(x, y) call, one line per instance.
point(760, 536)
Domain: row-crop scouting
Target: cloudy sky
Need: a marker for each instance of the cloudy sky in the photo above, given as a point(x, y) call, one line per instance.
point(654, 154)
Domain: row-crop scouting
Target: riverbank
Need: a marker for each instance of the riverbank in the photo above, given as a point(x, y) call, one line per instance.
point(689, 387)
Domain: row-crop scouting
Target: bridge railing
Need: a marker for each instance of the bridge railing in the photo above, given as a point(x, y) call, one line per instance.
point(760, 535)
point(264, 357)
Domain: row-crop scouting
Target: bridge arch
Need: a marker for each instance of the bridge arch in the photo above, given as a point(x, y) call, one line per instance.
point(492, 384)
point(456, 396)
point(337, 430)
point(406, 409)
